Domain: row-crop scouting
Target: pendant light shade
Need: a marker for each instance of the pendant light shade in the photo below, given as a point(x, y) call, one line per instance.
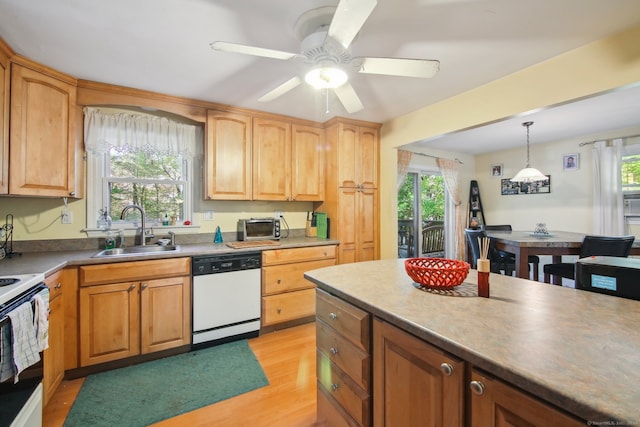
point(529, 174)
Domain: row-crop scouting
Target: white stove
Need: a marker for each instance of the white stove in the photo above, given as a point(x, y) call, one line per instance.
point(21, 283)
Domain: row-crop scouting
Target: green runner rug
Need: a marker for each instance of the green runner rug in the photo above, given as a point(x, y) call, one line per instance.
point(153, 391)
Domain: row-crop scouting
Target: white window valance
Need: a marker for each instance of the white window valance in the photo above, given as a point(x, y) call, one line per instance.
point(133, 132)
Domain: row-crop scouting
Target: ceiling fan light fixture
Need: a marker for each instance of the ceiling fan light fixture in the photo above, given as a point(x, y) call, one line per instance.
point(326, 77)
point(529, 174)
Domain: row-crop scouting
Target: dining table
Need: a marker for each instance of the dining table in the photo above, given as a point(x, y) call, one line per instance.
point(554, 243)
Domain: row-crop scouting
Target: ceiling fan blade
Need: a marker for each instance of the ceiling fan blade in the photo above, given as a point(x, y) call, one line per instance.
point(280, 90)
point(349, 18)
point(349, 98)
point(252, 50)
point(423, 68)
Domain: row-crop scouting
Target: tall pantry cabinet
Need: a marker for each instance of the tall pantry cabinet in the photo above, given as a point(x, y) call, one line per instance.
point(352, 194)
point(5, 54)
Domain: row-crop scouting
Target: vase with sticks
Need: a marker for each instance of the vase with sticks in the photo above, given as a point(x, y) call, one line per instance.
point(484, 267)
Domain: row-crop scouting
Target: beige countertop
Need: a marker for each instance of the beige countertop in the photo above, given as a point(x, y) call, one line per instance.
point(578, 350)
point(51, 261)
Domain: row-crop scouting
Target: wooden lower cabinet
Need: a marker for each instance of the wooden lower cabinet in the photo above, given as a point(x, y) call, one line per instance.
point(142, 316)
point(496, 403)
point(415, 384)
point(54, 355)
point(343, 365)
point(286, 295)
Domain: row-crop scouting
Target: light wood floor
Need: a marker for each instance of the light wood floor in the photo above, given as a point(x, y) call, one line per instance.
point(287, 358)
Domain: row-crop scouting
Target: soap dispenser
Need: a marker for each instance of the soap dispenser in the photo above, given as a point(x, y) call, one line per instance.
point(218, 236)
point(109, 242)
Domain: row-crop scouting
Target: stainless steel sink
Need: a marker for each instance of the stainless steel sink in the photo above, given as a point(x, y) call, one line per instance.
point(136, 250)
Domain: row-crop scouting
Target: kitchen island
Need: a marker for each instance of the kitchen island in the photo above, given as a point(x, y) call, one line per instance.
point(576, 351)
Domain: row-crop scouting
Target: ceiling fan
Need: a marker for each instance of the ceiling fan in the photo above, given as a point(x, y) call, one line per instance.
point(326, 34)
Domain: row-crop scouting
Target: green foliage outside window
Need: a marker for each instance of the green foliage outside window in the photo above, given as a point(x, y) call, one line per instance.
point(631, 172)
point(431, 197)
point(148, 179)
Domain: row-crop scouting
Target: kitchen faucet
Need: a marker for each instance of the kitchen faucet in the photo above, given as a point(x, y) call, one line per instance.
point(142, 226)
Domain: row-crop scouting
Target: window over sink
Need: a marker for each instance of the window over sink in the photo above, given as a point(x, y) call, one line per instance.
point(143, 159)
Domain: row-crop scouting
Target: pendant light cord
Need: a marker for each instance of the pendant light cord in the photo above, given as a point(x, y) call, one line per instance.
point(527, 124)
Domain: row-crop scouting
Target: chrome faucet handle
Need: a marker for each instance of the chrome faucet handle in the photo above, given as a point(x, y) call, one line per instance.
point(121, 238)
point(172, 235)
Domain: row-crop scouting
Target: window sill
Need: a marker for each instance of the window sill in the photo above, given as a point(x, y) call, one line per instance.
point(132, 230)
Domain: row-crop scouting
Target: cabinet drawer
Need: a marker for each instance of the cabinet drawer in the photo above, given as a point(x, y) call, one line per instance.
point(330, 413)
point(351, 359)
point(288, 306)
point(54, 283)
point(134, 270)
point(289, 277)
point(347, 320)
point(339, 386)
point(287, 256)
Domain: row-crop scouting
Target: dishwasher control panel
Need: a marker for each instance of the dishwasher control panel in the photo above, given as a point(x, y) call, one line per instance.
point(212, 264)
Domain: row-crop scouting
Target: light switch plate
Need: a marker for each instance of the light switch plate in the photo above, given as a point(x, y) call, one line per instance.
point(208, 215)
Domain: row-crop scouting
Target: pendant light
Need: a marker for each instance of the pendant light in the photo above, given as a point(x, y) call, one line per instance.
point(529, 174)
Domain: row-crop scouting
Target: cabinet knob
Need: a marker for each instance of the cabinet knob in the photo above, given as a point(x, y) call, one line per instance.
point(333, 316)
point(144, 286)
point(132, 287)
point(279, 281)
point(279, 310)
point(72, 193)
point(333, 350)
point(334, 387)
point(57, 286)
point(446, 368)
point(477, 387)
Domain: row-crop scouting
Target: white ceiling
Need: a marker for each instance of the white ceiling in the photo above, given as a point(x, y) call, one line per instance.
point(163, 46)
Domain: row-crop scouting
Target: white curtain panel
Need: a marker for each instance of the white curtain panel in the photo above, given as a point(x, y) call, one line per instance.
point(455, 245)
point(608, 210)
point(129, 131)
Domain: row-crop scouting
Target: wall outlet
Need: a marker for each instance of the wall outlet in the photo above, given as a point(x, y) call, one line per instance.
point(278, 214)
point(66, 217)
point(208, 215)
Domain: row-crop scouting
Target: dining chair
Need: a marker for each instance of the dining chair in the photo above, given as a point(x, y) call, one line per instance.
point(534, 260)
point(591, 246)
point(498, 263)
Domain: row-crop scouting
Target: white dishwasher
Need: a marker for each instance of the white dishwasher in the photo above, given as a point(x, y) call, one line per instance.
point(226, 298)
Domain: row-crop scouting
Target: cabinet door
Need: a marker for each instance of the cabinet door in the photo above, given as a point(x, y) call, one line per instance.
point(54, 355)
point(289, 277)
point(497, 404)
point(366, 222)
point(288, 306)
point(42, 134)
point(271, 160)
point(109, 322)
point(4, 118)
point(347, 224)
point(165, 315)
point(307, 163)
point(367, 157)
point(410, 383)
point(347, 155)
point(228, 156)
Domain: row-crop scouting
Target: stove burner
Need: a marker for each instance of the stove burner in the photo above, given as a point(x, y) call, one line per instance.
point(8, 281)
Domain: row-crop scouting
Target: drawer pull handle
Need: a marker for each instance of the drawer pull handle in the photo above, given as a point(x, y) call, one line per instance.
point(333, 316)
point(477, 387)
point(446, 368)
point(334, 387)
point(333, 350)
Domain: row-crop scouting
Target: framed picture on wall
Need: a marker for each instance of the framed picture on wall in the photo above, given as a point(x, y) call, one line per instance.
point(570, 162)
point(496, 170)
point(508, 188)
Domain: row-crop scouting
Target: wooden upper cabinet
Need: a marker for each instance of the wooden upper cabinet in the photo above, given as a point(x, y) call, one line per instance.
point(42, 134)
point(307, 163)
point(271, 159)
point(228, 156)
point(358, 156)
point(5, 80)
